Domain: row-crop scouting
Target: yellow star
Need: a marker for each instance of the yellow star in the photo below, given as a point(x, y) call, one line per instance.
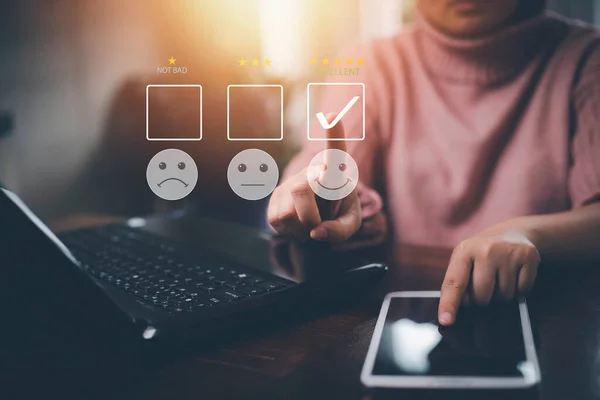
point(338, 61)
point(255, 62)
point(267, 62)
point(349, 61)
point(242, 62)
point(172, 60)
point(313, 61)
point(325, 61)
point(360, 61)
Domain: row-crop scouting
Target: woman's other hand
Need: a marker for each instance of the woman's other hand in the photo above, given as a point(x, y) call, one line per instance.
point(499, 262)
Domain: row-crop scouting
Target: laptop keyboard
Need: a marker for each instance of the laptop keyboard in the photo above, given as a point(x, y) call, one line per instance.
point(159, 274)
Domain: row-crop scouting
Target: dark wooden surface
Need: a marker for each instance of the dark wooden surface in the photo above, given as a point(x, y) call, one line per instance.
point(321, 358)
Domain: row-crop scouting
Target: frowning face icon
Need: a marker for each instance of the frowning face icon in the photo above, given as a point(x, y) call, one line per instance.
point(332, 174)
point(172, 174)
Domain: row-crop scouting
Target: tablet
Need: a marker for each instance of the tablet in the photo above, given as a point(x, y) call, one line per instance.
point(486, 348)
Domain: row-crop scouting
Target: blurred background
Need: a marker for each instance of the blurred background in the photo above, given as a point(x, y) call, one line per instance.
point(73, 77)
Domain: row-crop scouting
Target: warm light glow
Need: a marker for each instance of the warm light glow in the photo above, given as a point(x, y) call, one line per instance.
point(380, 18)
point(282, 37)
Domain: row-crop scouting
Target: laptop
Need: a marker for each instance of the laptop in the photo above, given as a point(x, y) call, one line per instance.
point(161, 279)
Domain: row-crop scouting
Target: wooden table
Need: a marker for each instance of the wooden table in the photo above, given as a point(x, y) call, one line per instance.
point(322, 358)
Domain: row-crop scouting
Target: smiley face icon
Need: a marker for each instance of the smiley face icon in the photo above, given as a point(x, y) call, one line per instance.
point(332, 174)
point(172, 174)
point(253, 174)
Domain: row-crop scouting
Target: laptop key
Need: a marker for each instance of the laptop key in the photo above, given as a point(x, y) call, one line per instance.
point(208, 288)
point(251, 291)
point(165, 304)
point(152, 289)
point(219, 297)
point(204, 282)
point(233, 296)
point(270, 286)
point(235, 285)
point(176, 294)
point(164, 297)
point(215, 300)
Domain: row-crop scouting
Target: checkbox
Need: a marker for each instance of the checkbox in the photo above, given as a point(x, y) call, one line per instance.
point(254, 112)
point(174, 112)
point(347, 100)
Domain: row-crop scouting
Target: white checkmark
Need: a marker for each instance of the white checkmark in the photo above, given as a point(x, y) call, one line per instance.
point(327, 125)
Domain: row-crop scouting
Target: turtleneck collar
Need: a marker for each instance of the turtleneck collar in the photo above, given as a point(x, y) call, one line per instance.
point(486, 60)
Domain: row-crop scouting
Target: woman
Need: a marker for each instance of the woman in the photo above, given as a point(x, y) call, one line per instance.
point(483, 131)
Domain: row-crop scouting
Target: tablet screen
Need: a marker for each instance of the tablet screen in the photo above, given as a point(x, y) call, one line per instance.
point(483, 342)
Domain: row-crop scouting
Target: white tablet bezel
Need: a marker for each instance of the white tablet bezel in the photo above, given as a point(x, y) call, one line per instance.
point(531, 371)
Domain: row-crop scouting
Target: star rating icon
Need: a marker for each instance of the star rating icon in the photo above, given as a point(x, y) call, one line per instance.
point(255, 62)
point(338, 61)
point(172, 61)
point(325, 66)
point(253, 66)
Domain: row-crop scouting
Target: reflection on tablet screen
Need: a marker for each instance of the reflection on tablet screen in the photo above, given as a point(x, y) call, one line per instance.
point(484, 341)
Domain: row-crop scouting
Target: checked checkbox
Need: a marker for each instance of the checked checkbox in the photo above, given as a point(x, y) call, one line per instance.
point(345, 99)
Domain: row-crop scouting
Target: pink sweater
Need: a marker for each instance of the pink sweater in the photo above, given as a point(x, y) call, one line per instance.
point(463, 134)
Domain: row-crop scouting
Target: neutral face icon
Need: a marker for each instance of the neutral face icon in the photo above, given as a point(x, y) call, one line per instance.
point(172, 174)
point(332, 174)
point(253, 174)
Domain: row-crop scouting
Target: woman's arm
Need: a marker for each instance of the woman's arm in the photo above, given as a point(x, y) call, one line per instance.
point(503, 260)
point(573, 234)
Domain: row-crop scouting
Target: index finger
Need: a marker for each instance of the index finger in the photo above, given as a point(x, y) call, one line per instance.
point(335, 134)
point(454, 286)
point(335, 140)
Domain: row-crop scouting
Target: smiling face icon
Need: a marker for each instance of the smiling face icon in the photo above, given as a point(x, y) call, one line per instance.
point(172, 174)
point(253, 174)
point(332, 174)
